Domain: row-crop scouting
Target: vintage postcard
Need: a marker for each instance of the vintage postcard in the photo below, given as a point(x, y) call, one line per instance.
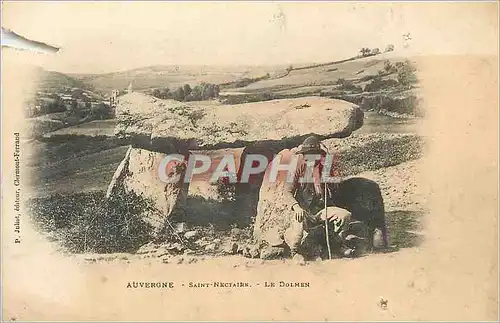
point(249, 161)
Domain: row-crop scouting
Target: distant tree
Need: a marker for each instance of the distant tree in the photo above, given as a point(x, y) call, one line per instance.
point(166, 93)
point(365, 51)
point(289, 68)
point(406, 75)
point(187, 90)
point(208, 91)
point(375, 51)
point(163, 93)
point(389, 48)
point(58, 105)
point(202, 91)
point(55, 105)
point(195, 94)
point(179, 94)
point(156, 93)
point(101, 111)
point(389, 68)
point(74, 105)
point(399, 65)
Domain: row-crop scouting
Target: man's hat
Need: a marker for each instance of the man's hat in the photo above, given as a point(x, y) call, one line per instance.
point(310, 145)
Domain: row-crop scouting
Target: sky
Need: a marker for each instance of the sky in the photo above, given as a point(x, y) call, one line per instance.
point(113, 36)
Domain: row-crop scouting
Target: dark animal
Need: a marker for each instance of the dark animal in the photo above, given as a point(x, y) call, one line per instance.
point(362, 197)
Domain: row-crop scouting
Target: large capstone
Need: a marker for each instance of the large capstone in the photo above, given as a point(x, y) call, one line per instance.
point(168, 125)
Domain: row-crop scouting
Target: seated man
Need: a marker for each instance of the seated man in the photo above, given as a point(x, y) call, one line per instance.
point(307, 226)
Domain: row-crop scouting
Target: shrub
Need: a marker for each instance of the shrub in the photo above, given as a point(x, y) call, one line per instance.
point(378, 84)
point(179, 94)
point(203, 91)
point(400, 104)
point(365, 51)
point(389, 68)
point(341, 81)
point(406, 75)
point(367, 78)
point(247, 81)
point(248, 97)
point(101, 111)
point(225, 189)
point(87, 222)
point(347, 85)
point(162, 93)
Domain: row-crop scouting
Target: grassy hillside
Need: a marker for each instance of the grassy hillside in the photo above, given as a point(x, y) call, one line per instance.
point(173, 76)
point(383, 83)
point(74, 165)
point(279, 77)
point(325, 75)
point(372, 82)
point(55, 82)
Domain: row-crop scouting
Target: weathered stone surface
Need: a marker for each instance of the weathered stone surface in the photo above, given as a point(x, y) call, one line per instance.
point(273, 237)
point(210, 247)
point(167, 125)
point(230, 248)
point(138, 174)
point(191, 234)
point(180, 227)
point(269, 252)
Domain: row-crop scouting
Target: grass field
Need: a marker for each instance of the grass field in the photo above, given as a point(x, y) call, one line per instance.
point(71, 166)
point(280, 77)
point(173, 76)
point(324, 75)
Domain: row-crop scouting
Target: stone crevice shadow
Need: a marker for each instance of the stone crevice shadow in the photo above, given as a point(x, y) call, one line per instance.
point(201, 211)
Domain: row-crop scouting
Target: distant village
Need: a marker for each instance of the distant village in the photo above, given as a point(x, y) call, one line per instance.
point(75, 104)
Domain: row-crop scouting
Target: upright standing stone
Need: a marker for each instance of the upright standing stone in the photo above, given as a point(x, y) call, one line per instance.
point(138, 174)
